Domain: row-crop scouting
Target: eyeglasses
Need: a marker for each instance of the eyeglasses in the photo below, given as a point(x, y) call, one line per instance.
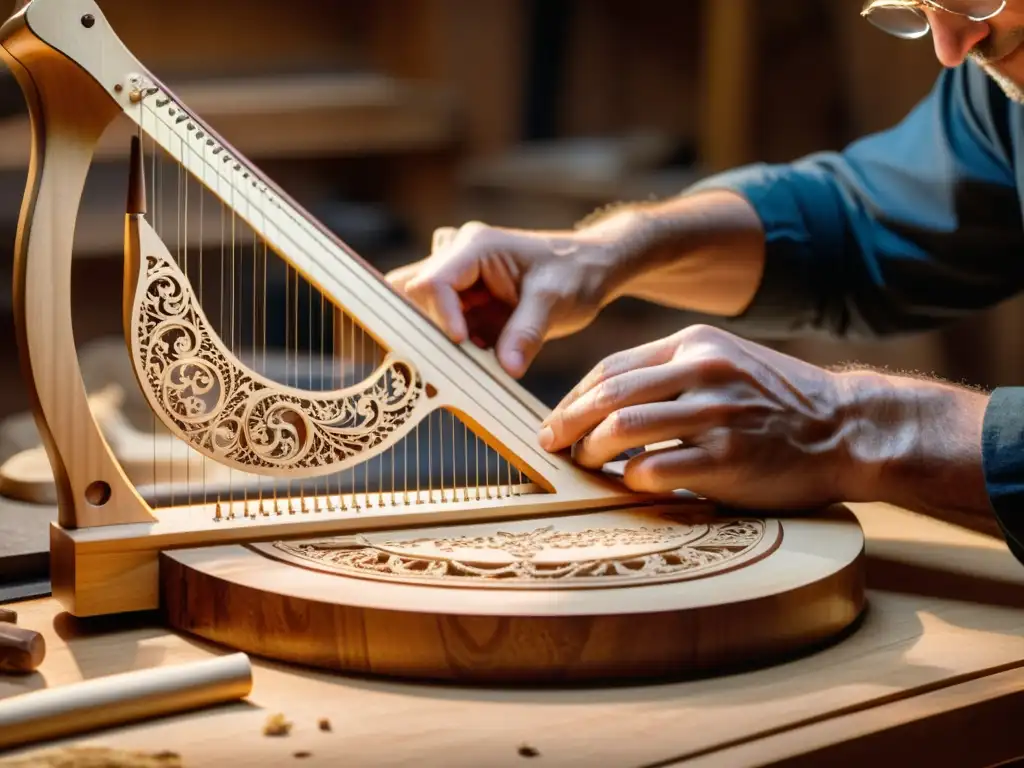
point(904, 18)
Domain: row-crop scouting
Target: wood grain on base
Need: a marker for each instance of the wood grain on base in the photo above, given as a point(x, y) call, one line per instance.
point(809, 590)
point(907, 650)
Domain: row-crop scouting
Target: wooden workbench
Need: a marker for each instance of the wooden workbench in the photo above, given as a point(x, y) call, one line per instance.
point(934, 675)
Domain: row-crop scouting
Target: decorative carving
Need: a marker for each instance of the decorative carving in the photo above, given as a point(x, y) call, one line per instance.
point(652, 549)
point(237, 417)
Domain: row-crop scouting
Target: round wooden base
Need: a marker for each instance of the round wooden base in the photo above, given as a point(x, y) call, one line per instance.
point(622, 596)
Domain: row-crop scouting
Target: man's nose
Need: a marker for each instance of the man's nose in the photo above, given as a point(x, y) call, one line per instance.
point(955, 36)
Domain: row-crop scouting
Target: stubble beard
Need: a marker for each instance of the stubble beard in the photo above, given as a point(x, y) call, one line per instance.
point(991, 50)
point(1013, 91)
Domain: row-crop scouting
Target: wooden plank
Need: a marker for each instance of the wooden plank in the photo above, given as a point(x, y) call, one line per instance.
point(930, 729)
point(890, 656)
point(909, 645)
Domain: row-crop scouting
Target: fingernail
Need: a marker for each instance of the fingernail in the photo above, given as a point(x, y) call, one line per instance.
point(515, 360)
point(546, 438)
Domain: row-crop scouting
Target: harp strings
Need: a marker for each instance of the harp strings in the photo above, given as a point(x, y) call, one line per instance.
point(283, 327)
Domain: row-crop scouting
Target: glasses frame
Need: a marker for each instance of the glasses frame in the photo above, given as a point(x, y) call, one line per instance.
point(916, 8)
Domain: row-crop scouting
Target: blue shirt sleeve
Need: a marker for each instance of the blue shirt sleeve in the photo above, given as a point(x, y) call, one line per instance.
point(1002, 450)
point(903, 231)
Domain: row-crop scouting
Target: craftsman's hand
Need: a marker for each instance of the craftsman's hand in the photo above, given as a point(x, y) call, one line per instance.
point(760, 429)
point(548, 284)
point(513, 289)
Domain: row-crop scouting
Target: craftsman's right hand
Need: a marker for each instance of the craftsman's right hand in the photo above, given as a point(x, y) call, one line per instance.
point(549, 284)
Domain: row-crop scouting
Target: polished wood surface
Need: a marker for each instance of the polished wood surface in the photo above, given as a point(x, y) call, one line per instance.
point(944, 629)
point(116, 700)
point(775, 602)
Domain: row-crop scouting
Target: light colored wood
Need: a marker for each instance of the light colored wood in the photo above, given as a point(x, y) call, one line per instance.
point(908, 647)
point(93, 488)
point(105, 550)
point(318, 449)
point(157, 463)
point(64, 135)
point(121, 699)
point(356, 287)
point(108, 569)
point(775, 599)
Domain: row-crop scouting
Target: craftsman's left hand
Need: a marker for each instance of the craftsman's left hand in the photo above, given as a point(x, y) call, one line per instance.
point(761, 429)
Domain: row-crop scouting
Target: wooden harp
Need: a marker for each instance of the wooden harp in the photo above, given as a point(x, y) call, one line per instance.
point(410, 506)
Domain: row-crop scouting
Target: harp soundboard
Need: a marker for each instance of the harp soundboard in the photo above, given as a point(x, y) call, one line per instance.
point(382, 503)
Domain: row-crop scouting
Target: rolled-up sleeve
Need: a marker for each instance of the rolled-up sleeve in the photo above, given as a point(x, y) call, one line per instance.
point(902, 231)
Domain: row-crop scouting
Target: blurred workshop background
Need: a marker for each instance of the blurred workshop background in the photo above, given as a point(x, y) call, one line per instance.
point(389, 118)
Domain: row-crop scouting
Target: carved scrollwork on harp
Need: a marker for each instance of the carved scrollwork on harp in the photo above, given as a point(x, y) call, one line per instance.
point(240, 418)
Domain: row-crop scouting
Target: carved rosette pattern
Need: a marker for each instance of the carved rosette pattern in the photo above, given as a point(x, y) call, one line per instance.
point(237, 417)
point(611, 557)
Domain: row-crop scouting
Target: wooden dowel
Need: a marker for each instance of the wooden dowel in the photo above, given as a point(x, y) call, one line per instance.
point(123, 698)
point(21, 650)
point(8, 615)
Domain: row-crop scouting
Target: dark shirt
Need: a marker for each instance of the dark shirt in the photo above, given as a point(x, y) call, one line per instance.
point(905, 231)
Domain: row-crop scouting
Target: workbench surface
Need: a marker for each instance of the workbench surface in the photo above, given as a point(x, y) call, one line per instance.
point(940, 649)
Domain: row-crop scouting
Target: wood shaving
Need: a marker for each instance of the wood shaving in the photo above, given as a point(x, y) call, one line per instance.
point(94, 757)
point(324, 724)
point(277, 725)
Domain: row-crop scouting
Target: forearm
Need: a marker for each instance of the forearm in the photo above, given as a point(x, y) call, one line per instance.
point(701, 253)
point(914, 443)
